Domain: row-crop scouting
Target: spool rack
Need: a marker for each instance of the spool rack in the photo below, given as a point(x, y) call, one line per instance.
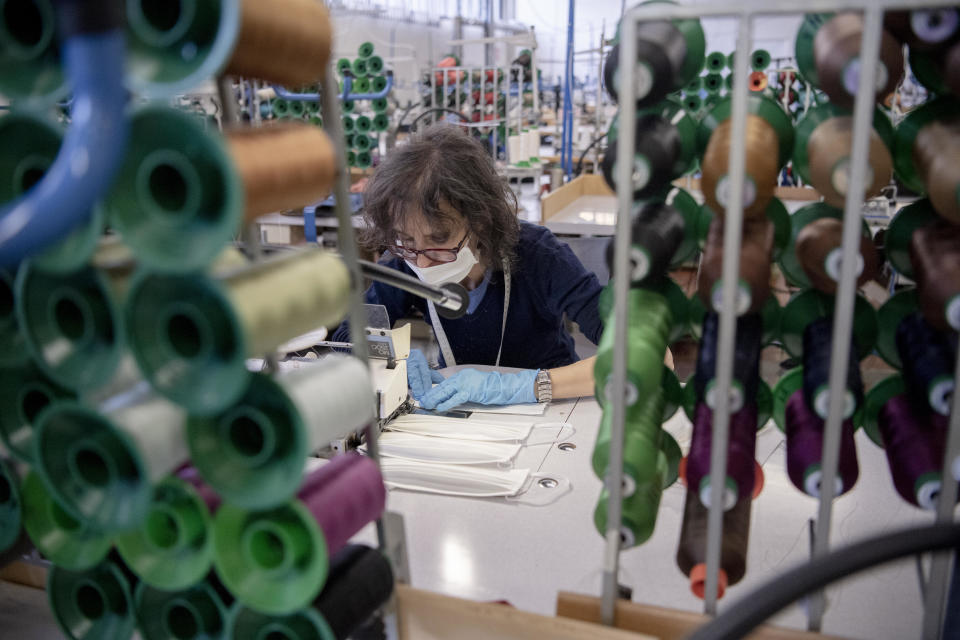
point(744, 11)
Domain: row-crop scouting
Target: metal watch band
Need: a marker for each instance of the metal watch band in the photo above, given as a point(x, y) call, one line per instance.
point(544, 386)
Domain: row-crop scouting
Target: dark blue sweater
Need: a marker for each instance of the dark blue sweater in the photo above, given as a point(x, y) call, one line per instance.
point(546, 280)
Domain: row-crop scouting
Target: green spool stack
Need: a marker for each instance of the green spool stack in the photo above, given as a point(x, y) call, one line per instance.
point(378, 84)
point(30, 69)
point(381, 122)
point(13, 344)
point(344, 65)
point(639, 510)
point(297, 108)
point(364, 160)
point(361, 85)
point(713, 82)
point(363, 124)
point(280, 107)
point(760, 60)
point(306, 624)
point(715, 62)
point(379, 105)
point(375, 65)
point(92, 604)
point(25, 391)
point(359, 68)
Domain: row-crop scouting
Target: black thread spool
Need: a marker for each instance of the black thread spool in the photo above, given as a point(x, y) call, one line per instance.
point(656, 148)
point(746, 360)
point(927, 359)
point(359, 583)
point(656, 232)
point(661, 50)
point(817, 347)
point(692, 548)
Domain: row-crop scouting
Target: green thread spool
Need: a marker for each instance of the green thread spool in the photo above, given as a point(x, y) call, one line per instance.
point(379, 83)
point(11, 508)
point(713, 82)
point(379, 105)
point(889, 316)
point(642, 443)
point(808, 305)
point(360, 69)
point(253, 453)
point(361, 85)
point(30, 53)
point(92, 604)
point(306, 624)
point(351, 159)
point(381, 122)
point(191, 334)
point(362, 142)
point(673, 454)
point(365, 50)
point(343, 66)
point(694, 85)
point(349, 106)
point(31, 144)
point(375, 64)
point(363, 124)
point(280, 107)
point(692, 103)
point(57, 535)
point(715, 62)
point(194, 613)
point(173, 548)
point(364, 160)
point(13, 344)
point(178, 198)
point(101, 466)
point(24, 393)
point(348, 140)
point(311, 107)
point(639, 510)
point(760, 60)
point(73, 323)
point(649, 328)
point(349, 124)
point(316, 121)
point(297, 108)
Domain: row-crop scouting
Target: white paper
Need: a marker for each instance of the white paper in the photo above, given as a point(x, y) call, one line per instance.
point(525, 409)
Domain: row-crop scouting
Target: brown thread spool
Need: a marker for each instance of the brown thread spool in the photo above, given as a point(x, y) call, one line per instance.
point(820, 254)
point(951, 68)
point(935, 255)
point(282, 41)
point(756, 254)
point(692, 548)
point(829, 151)
point(285, 166)
point(836, 50)
point(923, 29)
point(936, 153)
point(760, 177)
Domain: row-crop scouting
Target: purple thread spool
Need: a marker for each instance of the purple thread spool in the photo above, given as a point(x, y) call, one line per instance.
point(914, 443)
point(191, 476)
point(805, 449)
point(741, 449)
point(344, 495)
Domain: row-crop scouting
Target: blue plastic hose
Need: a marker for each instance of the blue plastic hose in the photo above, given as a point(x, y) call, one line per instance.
point(346, 95)
point(92, 151)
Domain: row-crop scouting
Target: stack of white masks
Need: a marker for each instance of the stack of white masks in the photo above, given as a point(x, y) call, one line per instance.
point(459, 456)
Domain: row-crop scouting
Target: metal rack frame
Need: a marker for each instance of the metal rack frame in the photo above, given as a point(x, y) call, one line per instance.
point(745, 10)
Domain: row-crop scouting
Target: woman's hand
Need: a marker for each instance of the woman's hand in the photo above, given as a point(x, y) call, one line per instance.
point(470, 385)
point(420, 377)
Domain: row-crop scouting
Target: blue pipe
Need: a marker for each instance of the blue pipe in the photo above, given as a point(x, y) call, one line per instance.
point(566, 144)
point(346, 95)
point(93, 149)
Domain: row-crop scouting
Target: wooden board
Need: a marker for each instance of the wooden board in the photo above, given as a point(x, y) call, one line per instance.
point(660, 622)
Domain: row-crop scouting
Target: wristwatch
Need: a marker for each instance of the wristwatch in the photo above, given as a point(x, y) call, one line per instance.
point(544, 386)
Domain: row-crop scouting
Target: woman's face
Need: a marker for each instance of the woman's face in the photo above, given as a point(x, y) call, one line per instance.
point(417, 233)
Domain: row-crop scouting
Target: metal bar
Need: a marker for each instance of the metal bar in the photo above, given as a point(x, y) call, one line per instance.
point(614, 478)
point(662, 11)
point(228, 103)
point(733, 225)
point(534, 74)
point(566, 150)
point(846, 289)
point(933, 612)
point(348, 249)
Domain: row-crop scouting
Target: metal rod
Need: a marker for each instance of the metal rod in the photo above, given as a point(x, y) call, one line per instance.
point(846, 289)
point(733, 225)
point(348, 249)
point(663, 11)
point(940, 568)
point(228, 103)
point(621, 283)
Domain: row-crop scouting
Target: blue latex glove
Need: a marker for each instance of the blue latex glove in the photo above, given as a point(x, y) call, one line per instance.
point(420, 376)
point(480, 387)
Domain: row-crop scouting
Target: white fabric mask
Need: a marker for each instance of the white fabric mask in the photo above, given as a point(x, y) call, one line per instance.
point(445, 272)
point(471, 481)
point(410, 446)
point(469, 428)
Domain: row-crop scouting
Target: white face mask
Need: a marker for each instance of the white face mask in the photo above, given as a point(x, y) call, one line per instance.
point(410, 446)
point(447, 271)
point(472, 481)
point(469, 428)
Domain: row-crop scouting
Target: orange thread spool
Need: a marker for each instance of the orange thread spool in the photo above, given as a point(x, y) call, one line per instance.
point(762, 148)
point(285, 166)
point(836, 51)
point(282, 41)
point(829, 151)
point(935, 255)
point(756, 254)
point(819, 253)
point(936, 153)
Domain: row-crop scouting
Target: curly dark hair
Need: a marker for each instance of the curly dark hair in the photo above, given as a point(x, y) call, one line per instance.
point(441, 169)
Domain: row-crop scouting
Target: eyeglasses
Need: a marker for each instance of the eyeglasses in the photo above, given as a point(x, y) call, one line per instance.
point(437, 255)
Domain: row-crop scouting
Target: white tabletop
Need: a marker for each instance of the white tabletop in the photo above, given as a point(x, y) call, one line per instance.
point(493, 549)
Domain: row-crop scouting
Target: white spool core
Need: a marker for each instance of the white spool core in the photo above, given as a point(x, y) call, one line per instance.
point(627, 539)
point(736, 396)
point(729, 494)
point(928, 494)
point(630, 395)
point(821, 403)
point(641, 172)
point(840, 176)
point(742, 298)
point(934, 25)
point(723, 191)
point(955, 467)
point(641, 263)
point(812, 482)
point(628, 485)
point(953, 312)
point(834, 261)
point(643, 79)
point(851, 76)
point(941, 393)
